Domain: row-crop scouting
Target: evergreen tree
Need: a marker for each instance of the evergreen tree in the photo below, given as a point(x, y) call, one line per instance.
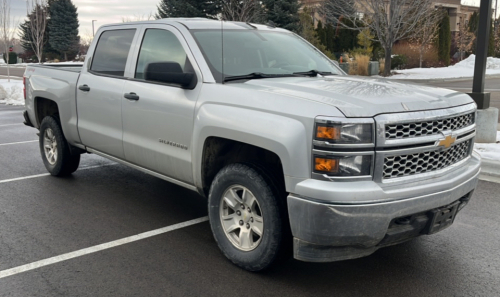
point(330, 38)
point(308, 32)
point(345, 39)
point(284, 13)
point(474, 22)
point(188, 8)
point(320, 31)
point(63, 26)
point(365, 38)
point(25, 35)
point(491, 42)
point(444, 40)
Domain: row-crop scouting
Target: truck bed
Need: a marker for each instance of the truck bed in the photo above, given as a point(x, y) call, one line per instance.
point(56, 82)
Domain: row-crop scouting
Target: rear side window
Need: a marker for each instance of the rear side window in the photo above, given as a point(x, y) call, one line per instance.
point(110, 56)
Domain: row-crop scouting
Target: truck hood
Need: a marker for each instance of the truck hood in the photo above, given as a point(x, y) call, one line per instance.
point(361, 97)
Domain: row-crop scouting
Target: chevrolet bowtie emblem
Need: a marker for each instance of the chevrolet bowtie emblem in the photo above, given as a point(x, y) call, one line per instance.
point(447, 142)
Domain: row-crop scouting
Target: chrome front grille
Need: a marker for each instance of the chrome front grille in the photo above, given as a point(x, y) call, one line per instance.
point(422, 162)
point(426, 128)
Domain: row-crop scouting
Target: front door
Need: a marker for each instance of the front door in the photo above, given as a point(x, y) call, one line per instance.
point(99, 93)
point(158, 118)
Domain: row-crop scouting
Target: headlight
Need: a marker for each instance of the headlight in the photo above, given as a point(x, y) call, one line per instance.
point(344, 133)
point(343, 148)
point(343, 165)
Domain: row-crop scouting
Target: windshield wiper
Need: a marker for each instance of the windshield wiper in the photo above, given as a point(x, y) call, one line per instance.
point(314, 73)
point(254, 75)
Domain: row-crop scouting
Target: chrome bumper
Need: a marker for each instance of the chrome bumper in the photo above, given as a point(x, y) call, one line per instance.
point(334, 224)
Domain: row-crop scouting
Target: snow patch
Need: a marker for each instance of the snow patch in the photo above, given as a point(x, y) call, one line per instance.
point(11, 93)
point(490, 151)
point(462, 69)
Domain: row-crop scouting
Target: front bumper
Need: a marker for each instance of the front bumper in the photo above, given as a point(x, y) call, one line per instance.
point(326, 229)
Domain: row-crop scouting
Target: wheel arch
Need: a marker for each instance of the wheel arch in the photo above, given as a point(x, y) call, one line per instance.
point(238, 135)
point(44, 107)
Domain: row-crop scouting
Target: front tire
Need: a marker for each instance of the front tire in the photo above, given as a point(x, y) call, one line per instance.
point(246, 217)
point(54, 148)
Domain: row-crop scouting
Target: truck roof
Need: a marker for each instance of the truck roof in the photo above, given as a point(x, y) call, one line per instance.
point(204, 23)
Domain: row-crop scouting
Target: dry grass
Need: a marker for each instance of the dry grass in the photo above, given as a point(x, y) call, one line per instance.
point(381, 65)
point(353, 68)
point(360, 65)
point(362, 61)
point(429, 59)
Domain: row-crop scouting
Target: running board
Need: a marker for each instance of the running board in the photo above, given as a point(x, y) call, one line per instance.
point(153, 173)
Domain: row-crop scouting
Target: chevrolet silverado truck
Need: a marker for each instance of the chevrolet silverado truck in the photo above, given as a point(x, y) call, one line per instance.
point(292, 154)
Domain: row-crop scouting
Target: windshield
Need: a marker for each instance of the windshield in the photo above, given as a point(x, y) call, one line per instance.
point(263, 52)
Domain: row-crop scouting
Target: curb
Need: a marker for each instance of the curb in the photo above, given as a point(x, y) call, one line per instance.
point(490, 170)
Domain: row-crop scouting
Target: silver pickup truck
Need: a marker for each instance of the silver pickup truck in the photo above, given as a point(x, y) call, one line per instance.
point(292, 154)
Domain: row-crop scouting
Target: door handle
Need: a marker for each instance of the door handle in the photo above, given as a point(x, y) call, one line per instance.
point(84, 88)
point(131, 96)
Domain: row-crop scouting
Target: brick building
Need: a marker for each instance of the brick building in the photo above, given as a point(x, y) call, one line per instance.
point(458, 13)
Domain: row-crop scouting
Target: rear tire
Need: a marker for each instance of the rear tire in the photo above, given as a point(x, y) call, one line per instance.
point(246, 217)
point(54, 149)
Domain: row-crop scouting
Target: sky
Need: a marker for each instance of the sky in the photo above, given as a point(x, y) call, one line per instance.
point(104, 11)
point(113, 11)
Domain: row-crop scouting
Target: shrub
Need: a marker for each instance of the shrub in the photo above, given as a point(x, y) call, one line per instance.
point(398, 62)
point(12, 58)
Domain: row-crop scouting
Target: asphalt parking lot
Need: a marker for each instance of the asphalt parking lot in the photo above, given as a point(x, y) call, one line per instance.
point(67, 221)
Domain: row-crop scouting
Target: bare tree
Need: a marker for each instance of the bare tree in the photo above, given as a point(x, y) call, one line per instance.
point(85, 41)
point(37, 18)
point(464, 39)
point(8, 28)
point(390, 20)
point(137, 18)
point(426, 32)
point(241, 10)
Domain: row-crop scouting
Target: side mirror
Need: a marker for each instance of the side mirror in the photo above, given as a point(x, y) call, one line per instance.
point(170, 73)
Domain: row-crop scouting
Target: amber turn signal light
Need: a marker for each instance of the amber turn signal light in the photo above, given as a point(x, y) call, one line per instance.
point(326, 165)
point(325, 132)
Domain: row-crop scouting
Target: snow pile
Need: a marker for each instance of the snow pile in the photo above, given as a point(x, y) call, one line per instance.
point(463, 68)
point(491, 63)
point(489, 151)
point(11, 93)
point(2, 61)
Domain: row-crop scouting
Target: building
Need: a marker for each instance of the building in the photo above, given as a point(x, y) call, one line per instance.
point(459, 14)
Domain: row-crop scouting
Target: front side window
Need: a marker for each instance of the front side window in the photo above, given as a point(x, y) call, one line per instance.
point(161, 51)
point(111, 53)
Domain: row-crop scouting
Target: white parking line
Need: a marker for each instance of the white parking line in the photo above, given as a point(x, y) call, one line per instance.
point(97, 248)
point(45, 174)
point(18, 142)
point(11, 124)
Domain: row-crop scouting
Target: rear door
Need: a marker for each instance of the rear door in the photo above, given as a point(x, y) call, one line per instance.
point(99, 91)
point(158, 122)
